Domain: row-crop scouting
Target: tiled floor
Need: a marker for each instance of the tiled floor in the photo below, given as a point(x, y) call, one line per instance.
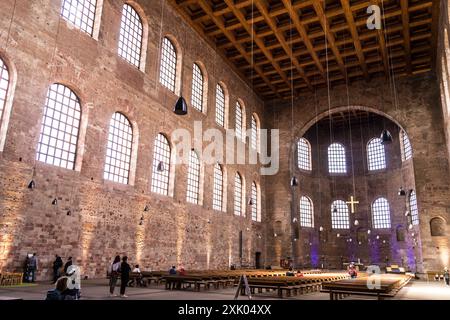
point(98, 290)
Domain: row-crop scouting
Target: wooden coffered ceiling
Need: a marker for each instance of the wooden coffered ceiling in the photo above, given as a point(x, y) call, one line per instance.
point(282, 47)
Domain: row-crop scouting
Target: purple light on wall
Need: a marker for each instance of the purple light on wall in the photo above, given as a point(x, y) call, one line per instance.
point(314, 254)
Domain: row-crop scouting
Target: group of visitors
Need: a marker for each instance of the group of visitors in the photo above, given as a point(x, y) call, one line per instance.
point(120, 270)
point(181, 271)
point(66, 279)
point(292, 273)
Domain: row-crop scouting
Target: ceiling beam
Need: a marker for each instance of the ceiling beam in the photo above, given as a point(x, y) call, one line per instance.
point(407, 42)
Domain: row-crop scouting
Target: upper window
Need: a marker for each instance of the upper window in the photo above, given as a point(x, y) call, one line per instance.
point(376, 155)
point(4, 84)
point(218, 188)
point(256, 216)
point(255, 133)
point(304, 154)
point(381, 214)
point(131, 34)
point(339, 215)
point(220, 106)
point(197, 88)
point(118, 151)
point(60, 126)
point(306, 212)
point(193, 180)
point(240, 128)
point(238, 186)
point(161, 165)
point(168, 67)
point(80, 13)
point(336, 158)
point(405, 146)
point(413, 208)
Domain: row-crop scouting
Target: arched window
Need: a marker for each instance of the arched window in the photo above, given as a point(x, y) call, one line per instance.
point(255, 204)
point(255, 133)
point(413, 208)
point(220, 106)
point(4, 85)
point(193, 180)
point(376, 157)
point(405, 146)
point(336, 158)
point(58, 139)
point(161, 165)
point(238, 193)
point(306, 212)
point(339, 215)
point(168, 68)
point(197, 88)
point(218, 203)
point(304, 154)
point(81, 13)
point(240, 128)
point(381, 214)
point(118, 151)
point(131, 34)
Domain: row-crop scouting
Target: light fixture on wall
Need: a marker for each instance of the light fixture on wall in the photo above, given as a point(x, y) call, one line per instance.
point(141, 221)
point(378, 237)
point(294, 182)
point(369, 231)
point(180, 107)
point(386, 137)
point(335, 209)
point(338, 235)
point(356, 222)
point(401, 192)
point(69, 212)
point(32, 185)
point(406, 213)
point(294, 220)
point(55, 202)
point(147, 208)
point(410, 226)
point(275, 235)
point(160, 167)
point(320, 228)
point(250, 202)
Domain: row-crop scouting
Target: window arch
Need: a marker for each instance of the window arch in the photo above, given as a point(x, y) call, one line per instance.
point(118, 151)
point(304, 154)
point(413, 208)
point(161, 165)
point(376, 155)
point(193, 180)
point(4, 86)
point(240, 121)
point(238, 195)
point(256, 212)
point(198, 84)
point(255, 136)
point(80, 13)
point(381, 214)
point(218, 191)
point(339, 215)
point(131, 36)
point(168, 68)
point(306, 212)
point(336, 158)
point(58, 139)
point(220, 105)
point(405, 146)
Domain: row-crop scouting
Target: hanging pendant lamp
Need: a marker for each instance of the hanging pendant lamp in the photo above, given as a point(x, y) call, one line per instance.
point(386, 137)
point(356, 222)
point(294, 182)
point(180, 107)
point(160, 167)
point(55, 202)
point(31, 185)
point(335, 210)
point(401, 192)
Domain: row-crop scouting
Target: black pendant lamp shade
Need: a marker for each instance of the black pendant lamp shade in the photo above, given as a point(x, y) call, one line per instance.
point(55, 202)
point(386, 137)
point(160, 167)
point(401, 192)
point(31, 185)
point(180, 107)
point(294, 182)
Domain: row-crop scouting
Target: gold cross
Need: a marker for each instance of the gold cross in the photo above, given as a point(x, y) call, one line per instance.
point(352, 203)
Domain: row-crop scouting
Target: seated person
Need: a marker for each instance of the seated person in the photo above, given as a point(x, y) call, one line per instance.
point(137, 277)
point(173, 271)
point(290, 273)
point(181, 271)
point(299, 273)
point(352, 271)
point(60, 290)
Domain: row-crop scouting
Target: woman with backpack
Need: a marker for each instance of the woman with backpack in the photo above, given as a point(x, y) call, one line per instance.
point(114, 272)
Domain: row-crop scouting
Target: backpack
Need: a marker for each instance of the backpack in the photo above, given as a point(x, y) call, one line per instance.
point(54, 295)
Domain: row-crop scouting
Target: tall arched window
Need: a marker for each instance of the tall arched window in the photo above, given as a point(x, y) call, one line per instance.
point(336, 158)
point(193, 180)
point(161, 165)
point(376, 157)
point(381, 214)
point(218, 203)
point(4, 85)
point(413, 208)
point(255, 204)
point(255, 133)
point(168, 68)
point(131, 34)
point(238, 195)
point(197, 88)
point(220, 106)
point(306, 212)
point(240, 122)
point(60, 128)
point(81, 13)
point(339, 215)
point(405, 146)
point(304, 154)
point(118, 150)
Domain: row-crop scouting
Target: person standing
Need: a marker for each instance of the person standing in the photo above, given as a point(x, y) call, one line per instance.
point(124, 276)
point(114, 275)
point(446, 276)
point(57, 264)
point(68, 264)
point(33, 267)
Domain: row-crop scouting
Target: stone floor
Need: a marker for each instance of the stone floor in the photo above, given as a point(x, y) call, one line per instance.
point(98, 290)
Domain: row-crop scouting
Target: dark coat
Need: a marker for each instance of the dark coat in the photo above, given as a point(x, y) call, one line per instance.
point(58, 263)
point(125, 270)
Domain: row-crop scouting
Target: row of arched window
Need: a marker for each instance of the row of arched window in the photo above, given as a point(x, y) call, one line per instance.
point(83, 15)
point(381, 214)
point(337, 162)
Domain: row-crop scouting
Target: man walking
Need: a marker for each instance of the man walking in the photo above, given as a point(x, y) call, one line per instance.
point(33, 267)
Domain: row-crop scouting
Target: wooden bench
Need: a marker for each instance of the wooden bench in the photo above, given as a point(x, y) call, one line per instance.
point(11, 279)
